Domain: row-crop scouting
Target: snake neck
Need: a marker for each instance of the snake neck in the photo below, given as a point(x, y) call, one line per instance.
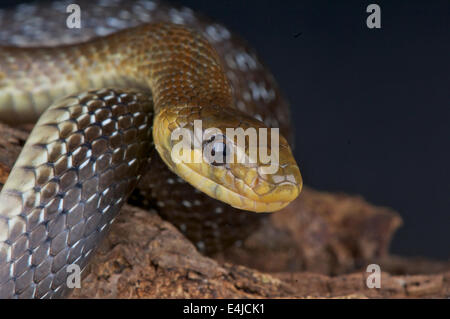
point(177, 64)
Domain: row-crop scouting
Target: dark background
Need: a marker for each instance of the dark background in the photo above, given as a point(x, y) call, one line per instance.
point(371, 107)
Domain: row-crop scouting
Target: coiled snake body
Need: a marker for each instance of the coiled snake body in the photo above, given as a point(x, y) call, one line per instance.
point(126, 93)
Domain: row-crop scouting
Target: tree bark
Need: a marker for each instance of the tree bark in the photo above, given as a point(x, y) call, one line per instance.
point(319, 246)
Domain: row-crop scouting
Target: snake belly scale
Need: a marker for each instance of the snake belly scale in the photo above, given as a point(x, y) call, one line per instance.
point(107, 105)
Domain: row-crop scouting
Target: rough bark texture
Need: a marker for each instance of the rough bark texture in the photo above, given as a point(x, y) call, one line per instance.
point(319, 246)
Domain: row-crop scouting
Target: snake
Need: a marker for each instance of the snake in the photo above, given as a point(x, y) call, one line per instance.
point(107, 99)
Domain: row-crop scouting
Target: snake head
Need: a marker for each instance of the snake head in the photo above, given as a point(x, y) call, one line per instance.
point(228, 155)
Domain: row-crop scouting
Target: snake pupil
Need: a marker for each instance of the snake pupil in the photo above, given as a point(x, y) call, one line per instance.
point(220, 149)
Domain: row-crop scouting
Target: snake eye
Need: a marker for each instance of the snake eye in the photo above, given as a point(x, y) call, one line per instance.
point(219, 149)
point(215, 150)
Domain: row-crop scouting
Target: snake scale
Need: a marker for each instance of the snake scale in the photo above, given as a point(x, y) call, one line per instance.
point(107, 98)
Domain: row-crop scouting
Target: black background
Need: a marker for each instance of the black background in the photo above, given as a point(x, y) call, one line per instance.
point(371, 107)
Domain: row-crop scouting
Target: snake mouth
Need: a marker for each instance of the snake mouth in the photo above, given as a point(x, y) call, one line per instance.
point(224, 183)
point(246, 198)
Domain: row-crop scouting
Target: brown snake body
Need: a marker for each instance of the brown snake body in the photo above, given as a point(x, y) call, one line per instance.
point(88, 151)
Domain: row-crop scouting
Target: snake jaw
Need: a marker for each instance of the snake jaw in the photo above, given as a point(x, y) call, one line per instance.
point(252, 186)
